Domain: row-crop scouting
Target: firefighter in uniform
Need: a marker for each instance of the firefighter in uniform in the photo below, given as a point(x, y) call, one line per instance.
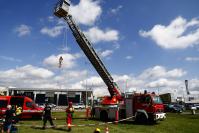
point(47, 116)
point(18, 113)
point(69, 114)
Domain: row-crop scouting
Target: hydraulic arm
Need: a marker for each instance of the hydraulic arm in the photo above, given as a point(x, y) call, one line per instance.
point(61, 11)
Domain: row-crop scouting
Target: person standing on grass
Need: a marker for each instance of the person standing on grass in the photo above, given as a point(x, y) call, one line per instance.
point(47, 116)
point(9, 116)
point(18, 113)
point(69, 111)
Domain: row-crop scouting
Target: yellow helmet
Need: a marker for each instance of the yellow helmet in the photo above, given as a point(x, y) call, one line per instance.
point(97, 129)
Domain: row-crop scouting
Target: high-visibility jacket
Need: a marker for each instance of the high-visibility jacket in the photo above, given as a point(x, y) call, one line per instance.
point(18, 110)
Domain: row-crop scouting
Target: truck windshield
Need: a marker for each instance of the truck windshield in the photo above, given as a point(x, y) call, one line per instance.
point(156, 99)
point(30, 104)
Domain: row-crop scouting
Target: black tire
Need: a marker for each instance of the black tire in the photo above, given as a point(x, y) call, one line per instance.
point(103, 116)
point(141, 118)
point(151, 119)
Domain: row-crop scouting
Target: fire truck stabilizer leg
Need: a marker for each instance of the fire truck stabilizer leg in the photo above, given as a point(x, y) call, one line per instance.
point(116, 116)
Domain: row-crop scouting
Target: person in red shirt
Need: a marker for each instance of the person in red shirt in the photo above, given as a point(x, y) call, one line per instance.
point(69, 113)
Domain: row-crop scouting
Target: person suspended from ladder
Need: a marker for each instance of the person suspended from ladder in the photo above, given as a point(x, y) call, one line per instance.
point(60, 61)
point(69, 114)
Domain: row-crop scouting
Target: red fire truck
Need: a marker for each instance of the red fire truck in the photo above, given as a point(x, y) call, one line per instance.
point(116, 106)
point(29, 108)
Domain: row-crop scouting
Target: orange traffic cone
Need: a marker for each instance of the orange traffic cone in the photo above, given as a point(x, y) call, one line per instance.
point(106, 129)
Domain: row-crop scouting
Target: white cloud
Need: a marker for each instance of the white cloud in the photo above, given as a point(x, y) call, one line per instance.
point(192, 58)
point(51, 19)
point(116, 45)
point(128, 57)
point(23, 30)
point(64, 48)
point(116, 10)
point(52, 32)
point(86, 12)
point(96, 35)
point(10, 58)
point(160, 71)
point(126, 82)
point(95, 81)
point(26, 72)
point(194, 85)
point(164, 83)
point(106, 53)
point(32, 76)
point(68, 60)
point(179, 34)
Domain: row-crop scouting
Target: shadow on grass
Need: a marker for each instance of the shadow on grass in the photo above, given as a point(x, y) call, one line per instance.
point(139, 123)
point(147, 123)
point(56, 128)
point(62, 129)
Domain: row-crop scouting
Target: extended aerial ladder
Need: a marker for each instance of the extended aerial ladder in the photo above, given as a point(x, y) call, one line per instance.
point(62, 11)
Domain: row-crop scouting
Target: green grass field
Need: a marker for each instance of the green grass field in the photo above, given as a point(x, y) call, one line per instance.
point(175, 123)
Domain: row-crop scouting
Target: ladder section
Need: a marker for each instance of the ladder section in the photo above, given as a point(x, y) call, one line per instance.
point(87, 48)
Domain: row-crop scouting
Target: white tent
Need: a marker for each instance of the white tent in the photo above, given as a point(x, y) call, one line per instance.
point(193, 101)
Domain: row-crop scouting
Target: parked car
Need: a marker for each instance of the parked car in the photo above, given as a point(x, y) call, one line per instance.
point(177, 108)
point(52, 105)
point(79, 106)
point(196, 105)
point(42, 105)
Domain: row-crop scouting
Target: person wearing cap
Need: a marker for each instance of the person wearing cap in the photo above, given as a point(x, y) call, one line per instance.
point(9, 116)
point(47, 116)
point(97, 130)
point(69, 113)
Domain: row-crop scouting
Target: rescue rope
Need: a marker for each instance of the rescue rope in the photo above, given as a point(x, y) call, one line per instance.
point(76, 125)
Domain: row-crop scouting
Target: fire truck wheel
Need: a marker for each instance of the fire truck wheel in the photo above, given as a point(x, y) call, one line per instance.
point(151, 119)
point(140, 118)
point(103, 116)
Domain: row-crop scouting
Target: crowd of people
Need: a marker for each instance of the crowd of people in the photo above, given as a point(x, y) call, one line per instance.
point(13, 114)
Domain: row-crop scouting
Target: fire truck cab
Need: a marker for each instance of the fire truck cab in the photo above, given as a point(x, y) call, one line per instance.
point(144, 107)
point(29, 108)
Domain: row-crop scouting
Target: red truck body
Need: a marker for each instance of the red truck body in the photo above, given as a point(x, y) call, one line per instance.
point(138, 106)
point(29, 108)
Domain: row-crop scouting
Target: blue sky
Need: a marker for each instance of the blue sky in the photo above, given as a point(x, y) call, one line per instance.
point(149, 44)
